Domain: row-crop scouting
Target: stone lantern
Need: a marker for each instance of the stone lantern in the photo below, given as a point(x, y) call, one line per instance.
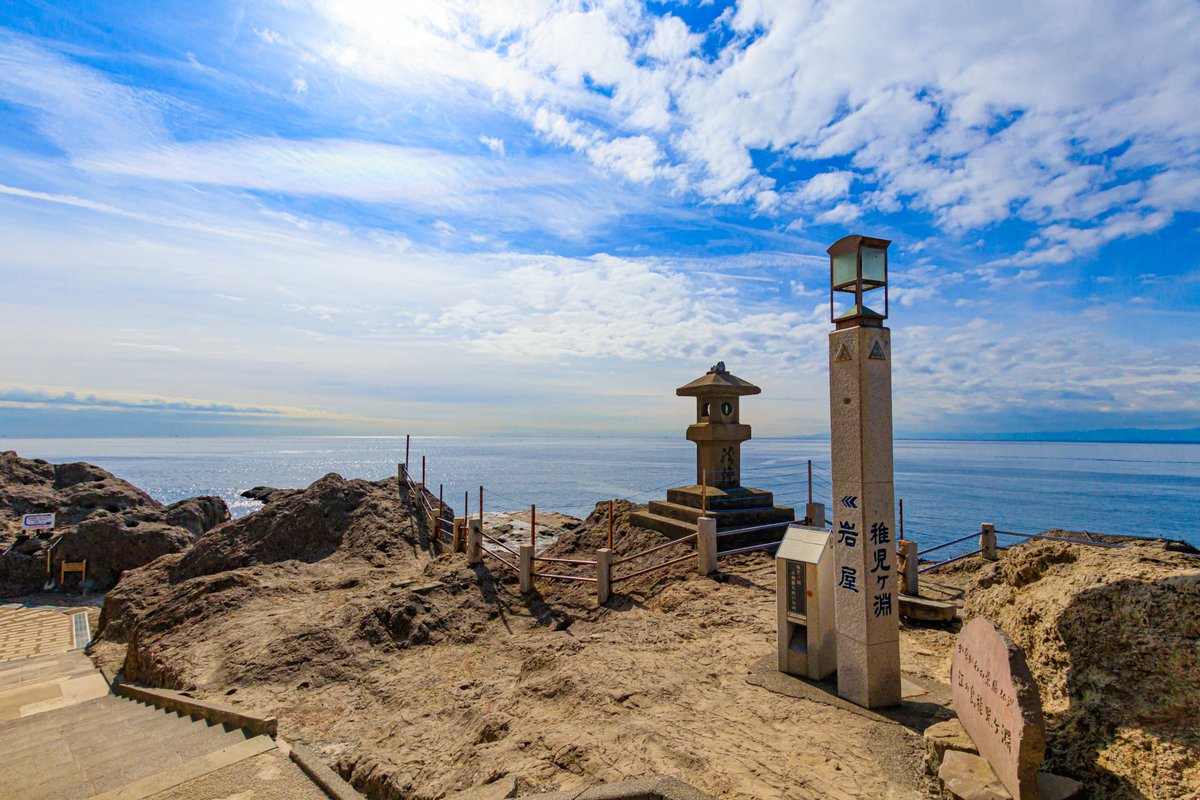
point(717, 433)
point(718, 492)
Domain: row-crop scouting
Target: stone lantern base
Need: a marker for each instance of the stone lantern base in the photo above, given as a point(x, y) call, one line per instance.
point(740, 507)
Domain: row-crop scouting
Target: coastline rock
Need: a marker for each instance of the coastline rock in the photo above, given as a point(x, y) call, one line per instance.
point(109, 522)
point(1113, 640)
point(340, 538)
point(268, 494)
point(72, 491)
point(199, 515)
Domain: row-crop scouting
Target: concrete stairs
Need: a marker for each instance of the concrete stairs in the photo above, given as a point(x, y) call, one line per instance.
point(111, 747)
point(732, 508)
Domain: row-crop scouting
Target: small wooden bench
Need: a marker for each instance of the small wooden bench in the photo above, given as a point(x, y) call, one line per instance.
point(73, 566)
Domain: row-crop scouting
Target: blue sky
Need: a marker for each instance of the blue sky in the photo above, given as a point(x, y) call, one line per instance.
point(534, 217)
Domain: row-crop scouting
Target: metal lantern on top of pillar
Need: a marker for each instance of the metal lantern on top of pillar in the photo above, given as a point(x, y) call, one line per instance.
point(866, 594)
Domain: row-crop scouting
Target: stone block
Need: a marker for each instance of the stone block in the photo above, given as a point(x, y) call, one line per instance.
point(869, 675)
point(942, 737)
point(997, 701)
point(926, 610)
point(968, 777)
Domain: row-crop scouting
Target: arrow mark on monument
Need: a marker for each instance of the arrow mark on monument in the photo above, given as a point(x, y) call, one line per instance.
point(850, 501)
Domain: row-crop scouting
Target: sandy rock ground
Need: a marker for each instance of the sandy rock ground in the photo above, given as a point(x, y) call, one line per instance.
point(417, 675)
point(420, 676)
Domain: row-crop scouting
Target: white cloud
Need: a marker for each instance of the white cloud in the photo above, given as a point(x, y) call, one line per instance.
point(1080, 124)
point(496, 145)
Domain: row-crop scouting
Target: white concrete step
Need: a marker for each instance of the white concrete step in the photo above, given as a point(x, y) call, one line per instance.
point(102, 745)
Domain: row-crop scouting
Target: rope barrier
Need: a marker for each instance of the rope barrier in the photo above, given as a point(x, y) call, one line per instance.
point(663, 565)
point(688, 538)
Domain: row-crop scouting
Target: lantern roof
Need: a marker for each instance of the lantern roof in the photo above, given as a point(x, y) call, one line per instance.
point(718, 382)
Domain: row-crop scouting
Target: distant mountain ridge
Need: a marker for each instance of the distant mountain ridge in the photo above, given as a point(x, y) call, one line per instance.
point(1111, 435)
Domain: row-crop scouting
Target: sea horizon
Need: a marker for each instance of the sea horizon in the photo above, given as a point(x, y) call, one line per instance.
point(949, 487)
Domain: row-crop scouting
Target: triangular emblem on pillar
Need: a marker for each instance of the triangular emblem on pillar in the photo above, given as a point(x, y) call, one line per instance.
point(877, 352)
point(843, 353)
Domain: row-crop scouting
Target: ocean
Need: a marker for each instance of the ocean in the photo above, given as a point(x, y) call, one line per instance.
point(948, 487)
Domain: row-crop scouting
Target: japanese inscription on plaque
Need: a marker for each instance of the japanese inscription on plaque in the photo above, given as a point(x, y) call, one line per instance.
point(797, 600)
point(998, 703)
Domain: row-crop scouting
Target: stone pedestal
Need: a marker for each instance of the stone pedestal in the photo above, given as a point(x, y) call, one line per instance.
point(525, 566)
point(706, 546)
point(604, 558)
point(867, 582)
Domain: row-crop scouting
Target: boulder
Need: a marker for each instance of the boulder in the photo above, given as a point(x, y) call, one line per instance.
point(1110, 636)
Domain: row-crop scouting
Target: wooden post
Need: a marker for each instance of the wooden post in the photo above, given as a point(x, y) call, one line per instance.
point(466, 504)
point(526, 568)
point(458, 535)
point(987, 541)
point(706, 545)
point(422, 472)
point(603, 575)
point(810, 481)
point(610, 526)
point(407, 441)
point(901, 517)
point(815, 514)
point(474, 541)
point(533, 525)
point(908, 568)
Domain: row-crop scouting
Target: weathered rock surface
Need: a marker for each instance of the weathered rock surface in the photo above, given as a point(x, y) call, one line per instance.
point(1113, 639)
point(343, 536)
point(112, 524)
point(268, 494)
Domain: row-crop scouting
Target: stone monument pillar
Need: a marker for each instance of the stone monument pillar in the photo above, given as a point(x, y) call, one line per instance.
point(866, 596)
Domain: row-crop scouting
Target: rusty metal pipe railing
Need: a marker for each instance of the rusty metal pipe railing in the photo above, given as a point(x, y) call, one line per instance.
point(763, 546)
point(513, 567)
point(752, 529)
point(498, 543)
point(581, 578)
point(663, 565)
point(580, 561)
point(948, 561)
point(960, 540)
point(689, 538)
point(1059, 539)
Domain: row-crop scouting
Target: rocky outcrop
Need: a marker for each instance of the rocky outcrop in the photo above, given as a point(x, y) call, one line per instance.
point(339, 538)
point(1113, 639)
point(268, 494)
point(100, 518)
